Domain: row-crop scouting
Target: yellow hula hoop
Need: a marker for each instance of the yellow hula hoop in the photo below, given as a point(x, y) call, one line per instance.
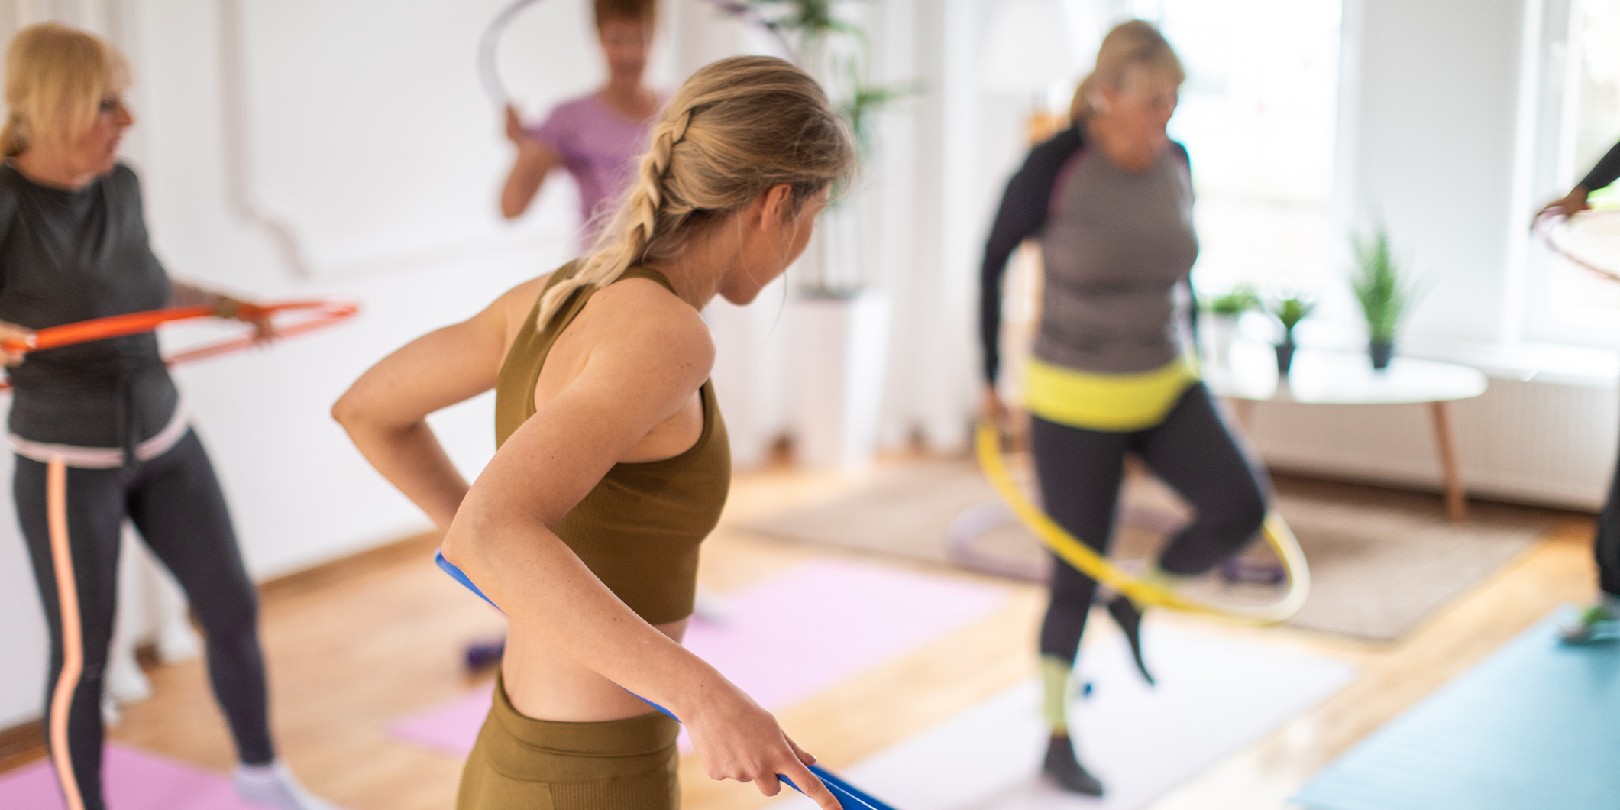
point(1094, 565)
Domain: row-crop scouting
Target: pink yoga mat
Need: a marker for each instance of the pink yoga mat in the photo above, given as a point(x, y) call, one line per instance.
point(842, 618)
point(133, 780)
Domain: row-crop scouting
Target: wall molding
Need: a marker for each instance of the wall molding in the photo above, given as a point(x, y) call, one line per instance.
point(296, 248)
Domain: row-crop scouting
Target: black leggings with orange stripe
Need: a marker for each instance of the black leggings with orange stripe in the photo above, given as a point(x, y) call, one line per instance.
point(175, 503)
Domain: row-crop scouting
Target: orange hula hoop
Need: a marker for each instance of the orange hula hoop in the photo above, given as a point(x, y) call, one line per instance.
point(317, 313)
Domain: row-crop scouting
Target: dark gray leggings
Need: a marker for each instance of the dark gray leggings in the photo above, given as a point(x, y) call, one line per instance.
point(1080, 472)
point(175, 503)
point(1606, 547)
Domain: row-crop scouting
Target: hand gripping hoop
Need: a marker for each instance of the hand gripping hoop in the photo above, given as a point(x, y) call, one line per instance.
point(317, 313)
point(1554, 230)
point(1094, 565)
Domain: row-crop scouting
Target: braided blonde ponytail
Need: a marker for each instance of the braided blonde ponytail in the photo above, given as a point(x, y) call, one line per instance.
point(736, 128)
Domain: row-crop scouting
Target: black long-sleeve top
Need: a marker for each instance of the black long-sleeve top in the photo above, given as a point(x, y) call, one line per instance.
point(1605, 172)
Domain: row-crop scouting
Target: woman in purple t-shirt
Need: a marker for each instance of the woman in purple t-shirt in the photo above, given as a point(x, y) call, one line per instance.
point(596, 137)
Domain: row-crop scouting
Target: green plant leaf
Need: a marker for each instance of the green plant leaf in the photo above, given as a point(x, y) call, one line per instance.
point(1290, 308)
point(1383, 290)
point(1236, 301)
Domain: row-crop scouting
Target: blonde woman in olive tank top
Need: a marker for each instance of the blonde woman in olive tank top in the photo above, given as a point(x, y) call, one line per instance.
point(612, 463)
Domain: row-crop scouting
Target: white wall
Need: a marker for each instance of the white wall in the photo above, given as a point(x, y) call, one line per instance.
point(1432, 152)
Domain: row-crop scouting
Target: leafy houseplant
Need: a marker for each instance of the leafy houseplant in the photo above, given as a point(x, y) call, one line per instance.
point(840, 321)
point(1384, 294)
point(1289, 309)
point(1218, 320)
point(827, 39)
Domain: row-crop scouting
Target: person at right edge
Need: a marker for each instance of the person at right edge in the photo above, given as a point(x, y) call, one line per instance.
point(1601, 619)
point(1110, 199)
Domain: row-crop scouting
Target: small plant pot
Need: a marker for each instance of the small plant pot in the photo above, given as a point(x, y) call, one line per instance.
point(1285, 357)
point(1381, 352)
point(1217, 333)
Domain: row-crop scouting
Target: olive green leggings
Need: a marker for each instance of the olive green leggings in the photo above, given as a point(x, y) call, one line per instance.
point(520, 762)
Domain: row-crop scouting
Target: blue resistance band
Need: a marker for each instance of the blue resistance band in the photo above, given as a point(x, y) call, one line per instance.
point(851, 797)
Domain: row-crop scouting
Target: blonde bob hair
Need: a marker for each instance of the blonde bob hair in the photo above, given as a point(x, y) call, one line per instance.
point(56, 78)
point(735, 129)
point(1131, 44)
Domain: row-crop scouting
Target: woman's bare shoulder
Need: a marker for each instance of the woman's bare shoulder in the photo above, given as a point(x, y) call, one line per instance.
point(642, 315)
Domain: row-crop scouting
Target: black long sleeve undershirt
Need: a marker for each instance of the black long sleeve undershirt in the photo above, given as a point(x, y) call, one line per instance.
point(1022, 215)
point(1605, 172)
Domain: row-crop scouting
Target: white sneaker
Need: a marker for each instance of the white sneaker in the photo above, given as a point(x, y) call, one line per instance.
point(274, 786)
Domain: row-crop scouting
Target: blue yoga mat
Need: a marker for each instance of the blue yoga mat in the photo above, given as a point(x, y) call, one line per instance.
point(1535, 725)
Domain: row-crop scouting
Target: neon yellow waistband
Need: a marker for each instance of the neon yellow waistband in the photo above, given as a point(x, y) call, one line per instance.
point(1114, 402)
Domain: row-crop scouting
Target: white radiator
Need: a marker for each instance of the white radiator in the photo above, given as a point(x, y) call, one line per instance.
point(1543, 441)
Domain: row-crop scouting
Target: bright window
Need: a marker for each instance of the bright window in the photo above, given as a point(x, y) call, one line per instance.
point(1259, 116)
point(1579, 121)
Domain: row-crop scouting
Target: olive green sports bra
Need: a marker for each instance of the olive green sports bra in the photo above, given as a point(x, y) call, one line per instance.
point(638, 530)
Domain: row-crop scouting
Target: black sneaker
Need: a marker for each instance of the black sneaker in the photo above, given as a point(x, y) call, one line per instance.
point(1064, 768)
point(1129, 618)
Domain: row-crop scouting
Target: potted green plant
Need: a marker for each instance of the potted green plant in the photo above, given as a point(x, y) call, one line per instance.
point(1218, 317)
point(828, 39)
point(1383, 291)
point(1289, 308)
point(839, 320)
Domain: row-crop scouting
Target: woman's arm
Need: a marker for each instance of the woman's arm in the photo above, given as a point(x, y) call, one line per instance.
point(535, 159)
point(1021, 215)
point(184, 294)
point(1606, 171)
point(13, 335)
point(385, 410)
point(636, 376)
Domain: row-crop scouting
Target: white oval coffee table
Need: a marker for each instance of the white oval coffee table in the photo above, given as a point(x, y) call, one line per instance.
point(1322, 377)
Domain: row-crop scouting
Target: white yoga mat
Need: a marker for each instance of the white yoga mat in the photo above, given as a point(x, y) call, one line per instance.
point(1215, 696)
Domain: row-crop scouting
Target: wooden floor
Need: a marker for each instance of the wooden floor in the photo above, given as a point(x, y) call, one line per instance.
point(355, 645)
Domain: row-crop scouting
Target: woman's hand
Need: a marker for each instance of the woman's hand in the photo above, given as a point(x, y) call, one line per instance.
point(514, 126)
point(1566, 206)
point(992, 409)
point(736, 739)
point(236, 309)
point(14, 342)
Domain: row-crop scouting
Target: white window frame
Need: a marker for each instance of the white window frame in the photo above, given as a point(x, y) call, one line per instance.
point(1553, 168)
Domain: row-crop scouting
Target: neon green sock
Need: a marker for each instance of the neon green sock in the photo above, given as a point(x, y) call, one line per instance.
point(1605, 609)
point(1055, 676)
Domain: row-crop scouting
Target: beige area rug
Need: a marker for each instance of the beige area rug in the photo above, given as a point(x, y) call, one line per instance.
point(1381, 562)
